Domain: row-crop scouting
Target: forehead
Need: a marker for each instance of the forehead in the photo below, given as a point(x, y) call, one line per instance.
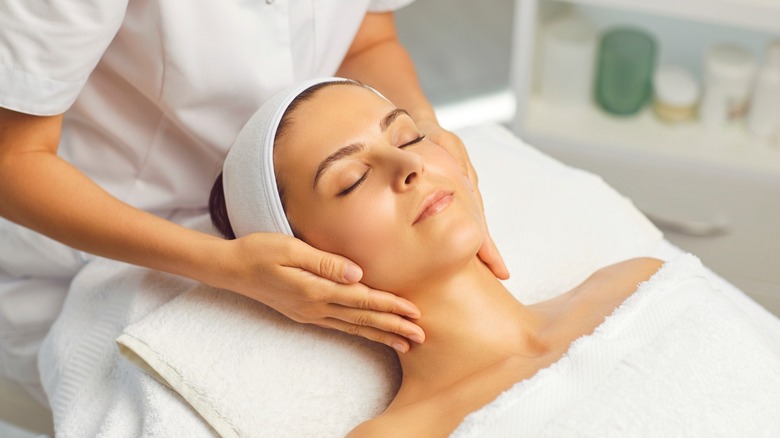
point(341, 102)
point(334, 116)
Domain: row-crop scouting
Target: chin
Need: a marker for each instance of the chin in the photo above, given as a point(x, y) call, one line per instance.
point(453, 248)
point(461, 243)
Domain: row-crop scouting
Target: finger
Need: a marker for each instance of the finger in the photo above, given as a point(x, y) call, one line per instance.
point(454, 146)
point(382, 321)
point(362, 297)
point(398, 343)
point(489, 255)
point(461, 156)
point(326, 265)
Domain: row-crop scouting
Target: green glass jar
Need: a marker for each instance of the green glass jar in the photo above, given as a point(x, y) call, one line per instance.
point(626, 62)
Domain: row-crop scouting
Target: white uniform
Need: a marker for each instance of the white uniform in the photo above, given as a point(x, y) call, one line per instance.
point(154, 92)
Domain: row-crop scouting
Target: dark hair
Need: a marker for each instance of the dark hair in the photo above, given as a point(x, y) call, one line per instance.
point(217, 206)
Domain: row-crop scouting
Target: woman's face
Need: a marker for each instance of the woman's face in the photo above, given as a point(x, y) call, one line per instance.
point(360, 181)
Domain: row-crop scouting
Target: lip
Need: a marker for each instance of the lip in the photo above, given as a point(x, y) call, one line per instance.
point(433, 204)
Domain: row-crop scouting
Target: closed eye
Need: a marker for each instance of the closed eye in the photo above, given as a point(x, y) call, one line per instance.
point(362, 179)
point(357, 184)
point(413, 142)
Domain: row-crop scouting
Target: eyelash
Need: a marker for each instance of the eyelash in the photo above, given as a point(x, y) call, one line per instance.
point(413, 142)
point(362, 179)
point(356, 185)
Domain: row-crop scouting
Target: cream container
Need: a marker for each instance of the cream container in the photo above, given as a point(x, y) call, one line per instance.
point(568, 53)
point(676, 94)
point(729, 71)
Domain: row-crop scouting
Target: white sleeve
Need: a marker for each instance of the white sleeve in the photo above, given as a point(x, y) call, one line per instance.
point(48, 48)
point(387, 5)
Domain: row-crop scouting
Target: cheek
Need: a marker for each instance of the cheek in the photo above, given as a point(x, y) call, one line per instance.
point(363, 231)
point(437, 157)
point(439, 161)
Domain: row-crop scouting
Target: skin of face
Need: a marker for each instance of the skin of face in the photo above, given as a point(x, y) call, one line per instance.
point(366, 205)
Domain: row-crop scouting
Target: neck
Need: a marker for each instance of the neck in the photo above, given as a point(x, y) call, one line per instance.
point(471, 322)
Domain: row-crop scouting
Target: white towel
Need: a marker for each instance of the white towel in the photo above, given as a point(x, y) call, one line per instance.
point(676, 359)
point(91, 392)
point(246, 368)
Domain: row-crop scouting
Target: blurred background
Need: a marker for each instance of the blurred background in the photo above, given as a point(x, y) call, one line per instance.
point(461, 50)
point(479, 34)
point(676, 104)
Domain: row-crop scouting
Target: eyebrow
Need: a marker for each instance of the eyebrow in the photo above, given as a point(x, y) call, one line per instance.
point(354, 148)
point(390, 118)
point(338, 155)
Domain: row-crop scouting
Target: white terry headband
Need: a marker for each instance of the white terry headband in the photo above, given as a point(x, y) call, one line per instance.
point(248, 177)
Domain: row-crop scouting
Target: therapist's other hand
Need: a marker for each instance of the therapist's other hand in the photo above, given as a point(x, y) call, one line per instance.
point(315, 287)
point(488, 253)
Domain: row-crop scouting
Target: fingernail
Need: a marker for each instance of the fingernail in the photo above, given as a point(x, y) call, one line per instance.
point(412, 312)
point(353, 273)
point(399, 347)
point(416, 338)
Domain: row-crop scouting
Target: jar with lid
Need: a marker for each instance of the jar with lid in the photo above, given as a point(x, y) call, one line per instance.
point(729, 71)
point(676, 94)
point(625, 65)
point(569, 46)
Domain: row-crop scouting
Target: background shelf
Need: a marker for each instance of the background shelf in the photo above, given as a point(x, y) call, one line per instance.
point(756, 15)
point(714, 192)
point(730, 149)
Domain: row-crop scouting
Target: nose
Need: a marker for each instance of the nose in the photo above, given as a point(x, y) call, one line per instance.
point(409, 167)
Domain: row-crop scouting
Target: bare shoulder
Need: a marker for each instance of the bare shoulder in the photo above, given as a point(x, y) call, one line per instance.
point(640, 267)
point(425, 418)
point(623, 277)
point(381, 426)
point(367, 429)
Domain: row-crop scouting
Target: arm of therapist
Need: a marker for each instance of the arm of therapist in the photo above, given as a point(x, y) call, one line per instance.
point(41, 191)
point(378, 58)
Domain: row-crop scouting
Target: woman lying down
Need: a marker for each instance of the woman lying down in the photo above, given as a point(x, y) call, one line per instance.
point(354, 176)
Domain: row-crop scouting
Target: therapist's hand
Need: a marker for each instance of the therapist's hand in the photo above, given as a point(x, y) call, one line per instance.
point(311, 286)
point(488, 253)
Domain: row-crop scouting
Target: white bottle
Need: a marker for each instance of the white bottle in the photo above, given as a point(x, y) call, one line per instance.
point(729, 71)
point(764, 117)
point(568, 61)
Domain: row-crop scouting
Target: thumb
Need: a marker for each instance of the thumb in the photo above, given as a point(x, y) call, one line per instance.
point(330, 266)
point(489, 255)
